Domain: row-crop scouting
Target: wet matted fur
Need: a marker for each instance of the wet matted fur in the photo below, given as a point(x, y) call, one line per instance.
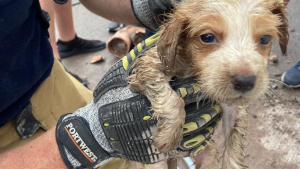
point(238, 26)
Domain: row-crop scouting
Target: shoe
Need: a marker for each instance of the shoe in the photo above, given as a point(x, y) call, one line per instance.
point(292, 76)
point(114, 27)
point(78, 46)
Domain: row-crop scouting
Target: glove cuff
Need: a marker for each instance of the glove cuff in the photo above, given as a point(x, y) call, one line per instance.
point(77, 145)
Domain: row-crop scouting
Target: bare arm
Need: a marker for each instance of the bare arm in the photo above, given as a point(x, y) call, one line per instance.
point(117, 10)
point(39, 153)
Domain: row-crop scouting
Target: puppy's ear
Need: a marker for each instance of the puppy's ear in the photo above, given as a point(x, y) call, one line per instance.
point(171, 37)
point(279, 10)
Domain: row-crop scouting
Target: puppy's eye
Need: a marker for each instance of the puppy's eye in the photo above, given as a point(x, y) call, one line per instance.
point(208, 38)
point(264, 40)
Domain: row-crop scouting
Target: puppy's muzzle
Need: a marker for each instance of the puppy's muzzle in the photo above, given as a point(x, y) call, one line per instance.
point(243, 83)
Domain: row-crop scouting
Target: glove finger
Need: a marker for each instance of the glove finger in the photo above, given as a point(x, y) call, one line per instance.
point(196, 151)
point(198, 119)
point(194, 140)
point(187, 89)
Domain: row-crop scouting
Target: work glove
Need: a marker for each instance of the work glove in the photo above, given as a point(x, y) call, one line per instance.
point(150, 12)
point(118, 122)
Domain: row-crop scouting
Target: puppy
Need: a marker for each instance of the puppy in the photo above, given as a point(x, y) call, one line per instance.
point(225, 44)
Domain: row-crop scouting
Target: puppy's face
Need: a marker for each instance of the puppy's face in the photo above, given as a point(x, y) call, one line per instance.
point(226, 43)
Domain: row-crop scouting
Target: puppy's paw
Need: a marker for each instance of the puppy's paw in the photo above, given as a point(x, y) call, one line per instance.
point(169, 127)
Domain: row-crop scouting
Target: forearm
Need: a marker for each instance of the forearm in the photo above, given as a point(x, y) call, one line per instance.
point(39, 153)
point(117, 10)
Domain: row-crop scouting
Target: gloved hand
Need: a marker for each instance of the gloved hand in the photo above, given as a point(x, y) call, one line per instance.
point(149, 12)
point(118, 123)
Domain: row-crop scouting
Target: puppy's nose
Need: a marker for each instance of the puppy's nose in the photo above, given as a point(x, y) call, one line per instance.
point(243, 83)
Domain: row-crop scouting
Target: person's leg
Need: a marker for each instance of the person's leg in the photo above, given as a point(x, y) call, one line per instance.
point(48, 6)
point(69, 44)
point(64, 21)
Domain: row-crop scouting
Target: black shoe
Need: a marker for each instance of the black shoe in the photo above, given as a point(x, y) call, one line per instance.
point(78, 46)
point(114, 27)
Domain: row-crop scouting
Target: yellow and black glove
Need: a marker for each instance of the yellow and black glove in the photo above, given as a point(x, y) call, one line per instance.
point(130, 128)
point(120, 125)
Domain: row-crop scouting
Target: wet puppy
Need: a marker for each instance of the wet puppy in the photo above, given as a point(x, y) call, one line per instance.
point(225, 44)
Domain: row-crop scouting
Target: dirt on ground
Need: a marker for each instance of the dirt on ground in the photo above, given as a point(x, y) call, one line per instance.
point(274, 139)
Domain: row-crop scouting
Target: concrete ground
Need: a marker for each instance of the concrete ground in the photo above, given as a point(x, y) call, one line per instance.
point(274, 140)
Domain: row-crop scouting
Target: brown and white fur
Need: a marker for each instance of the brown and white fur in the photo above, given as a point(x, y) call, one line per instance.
point(238, 26)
